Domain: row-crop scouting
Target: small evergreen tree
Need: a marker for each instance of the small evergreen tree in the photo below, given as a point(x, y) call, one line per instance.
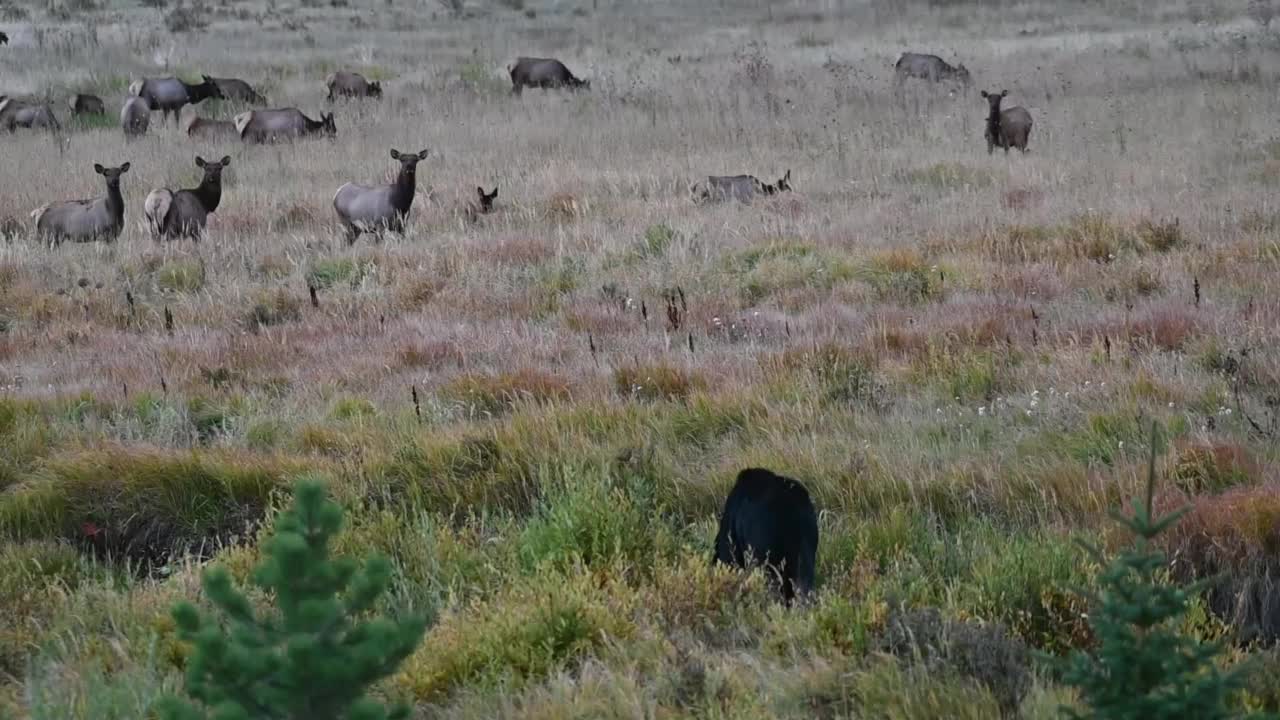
point(1144, 668)
point(312, 659)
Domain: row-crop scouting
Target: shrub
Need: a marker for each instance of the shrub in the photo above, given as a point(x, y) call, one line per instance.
point(274, 308)
point(315, 655)
point(1162, 235)
point(1232, 542)
point(496, 394)
point(180, 276)
point(985, 653)
point(1143, 667)
point(656, 382)
point(142, 505)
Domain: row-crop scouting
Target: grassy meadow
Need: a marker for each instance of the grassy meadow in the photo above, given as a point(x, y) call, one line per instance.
point(536, 416)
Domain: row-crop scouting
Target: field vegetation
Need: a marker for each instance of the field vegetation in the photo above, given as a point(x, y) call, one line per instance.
point(536, 416)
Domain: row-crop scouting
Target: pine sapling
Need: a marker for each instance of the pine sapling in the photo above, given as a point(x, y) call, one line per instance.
point(1143, 667)
point(317, 654)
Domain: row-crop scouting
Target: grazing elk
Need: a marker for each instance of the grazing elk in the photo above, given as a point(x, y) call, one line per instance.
point(259, 126)
point(82, 104)
point(239, 91)
point(135, 117)
point(85, 220)
point(1006, 128)
point(379, 208)
point(481, 205)
point(542, 73)
point(169, 94)
point(204, 128)
point(184, 213)
point(769, 521)
point(349, 84)
point(928, 67)
point(743, 188)
point(16, 113)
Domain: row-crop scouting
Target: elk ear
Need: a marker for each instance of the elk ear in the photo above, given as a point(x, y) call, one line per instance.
point(124, 168)
point(787, 177)
point(984, 93)
point(200, 161)
point(423, 155)
point(226, 160)
point(480, 191)
point(1004, 93)
point(99, 169)
point(494, 194)
point(395, 154)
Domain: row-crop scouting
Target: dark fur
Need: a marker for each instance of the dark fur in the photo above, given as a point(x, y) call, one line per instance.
point(769, 520)
point(82, 104)
point(1006, 128)
point(543, 73)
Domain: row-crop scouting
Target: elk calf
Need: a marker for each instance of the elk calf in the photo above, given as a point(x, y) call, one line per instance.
point(85, 220)
point(378, 208)
point(769, 521)
point(481, 205)
point(928, 67)
point(349, 84)
point(82, 104)
point(185, 213)
point(1006, 128)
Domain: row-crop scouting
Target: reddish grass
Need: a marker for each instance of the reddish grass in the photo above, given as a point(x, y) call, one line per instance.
point(1232, 540)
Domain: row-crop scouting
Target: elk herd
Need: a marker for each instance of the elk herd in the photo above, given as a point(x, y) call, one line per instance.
point(359, 208)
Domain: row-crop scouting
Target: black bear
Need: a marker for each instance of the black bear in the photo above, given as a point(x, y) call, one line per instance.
point(769, 520)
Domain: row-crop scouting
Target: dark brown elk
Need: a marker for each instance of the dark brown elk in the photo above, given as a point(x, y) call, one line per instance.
point(184, 213)
point(85, 220)
point(928, 67)
point(379, 208)
point(542, 73)
point(4, 39)
point(1006, 128)
point(16, 114)
point(135, 117)
point(349, 84)
point(204, 128)
point(259, 126)
point(238, 90)
point(743, 188)
point(169, 94)
point(82, 104)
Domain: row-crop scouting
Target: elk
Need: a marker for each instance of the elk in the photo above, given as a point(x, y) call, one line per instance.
point(1006, 128)
point(542, 73)
point(184, 213)
point(743, 188)
point(379, 208)
point(85, 220)
point(169, 94)
point(258, 126)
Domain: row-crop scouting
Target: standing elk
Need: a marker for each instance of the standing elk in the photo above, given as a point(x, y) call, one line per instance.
point(379, 208)
point(85, 220)
point(169, 94)
point(184, 213)
point(1006, 128)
